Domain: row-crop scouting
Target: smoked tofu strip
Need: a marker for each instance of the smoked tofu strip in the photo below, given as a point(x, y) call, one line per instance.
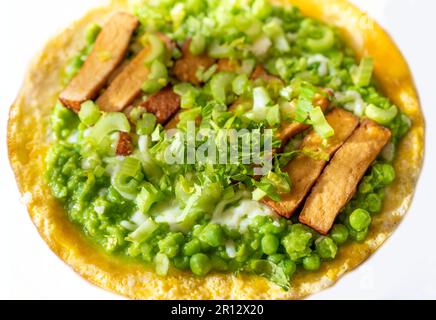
point(339, 181)
point(126, 87)
point(164, 105)
point(186, 68)
point(304, 170)
point(109, 51)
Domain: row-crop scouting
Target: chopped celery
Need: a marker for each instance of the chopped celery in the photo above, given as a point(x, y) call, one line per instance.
point(198, 44)
point(363, 73)
point(273, 115)
point(148, 195)
point(320, 124)
point(89, 113)
point(379, 115)
point(280, 182)
point(144, 231)
point(219, 51)
point(157, 79)
point(157, 48)
point(304, 104)
point(220, 85)
point(125, 179)
point(240, 84)
point(108, 123)
point(146, 124)
point(261, 98)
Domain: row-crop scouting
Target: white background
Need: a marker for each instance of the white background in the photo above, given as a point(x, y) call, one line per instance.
point(404, 268)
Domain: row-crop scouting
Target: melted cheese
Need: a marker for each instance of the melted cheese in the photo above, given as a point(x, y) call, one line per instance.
point(242, 215)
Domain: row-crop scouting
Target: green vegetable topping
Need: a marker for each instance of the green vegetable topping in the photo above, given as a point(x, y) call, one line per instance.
point(89, 113)
point(360, 220)
point(200, 264)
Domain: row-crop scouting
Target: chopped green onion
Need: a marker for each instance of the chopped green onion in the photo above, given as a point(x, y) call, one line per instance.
point(382, 116)
point(320, 124)
point(89, 113)
point(363, 73)
point(144, 231)
point(108, 123)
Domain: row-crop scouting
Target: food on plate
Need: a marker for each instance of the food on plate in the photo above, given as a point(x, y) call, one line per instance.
point(217, 149)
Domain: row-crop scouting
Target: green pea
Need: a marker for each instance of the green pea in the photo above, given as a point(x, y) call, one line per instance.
point(213, 235)
point(365, 186)
point(326, 248)
point(170, 245)
point(388, 174)
point(297, 241)
point(192, 247)
point(242, 252)
point(270, 244)
point(274, 227)
point(374, 203)
point(181, 263)
point(360, 219)
point(359, 236)
point(289, 267)
point(200, 264)
point(312, 262)
point(218, 263)
point(339, 233)
point(258, 222)
point(276, 258)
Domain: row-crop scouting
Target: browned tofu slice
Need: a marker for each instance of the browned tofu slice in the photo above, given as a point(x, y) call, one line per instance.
point(125, 144)
point(108, 52)
point(338, 183)
point(186, 68)
point(304, 170)
point(164, 105)
point(126, 87)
